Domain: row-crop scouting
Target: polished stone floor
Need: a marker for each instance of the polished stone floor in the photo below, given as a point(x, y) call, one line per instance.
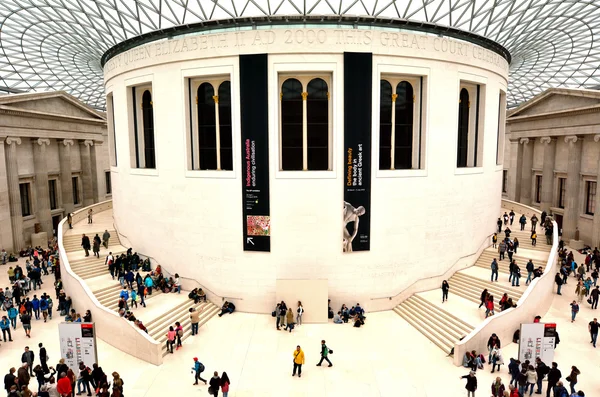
point(387, 357)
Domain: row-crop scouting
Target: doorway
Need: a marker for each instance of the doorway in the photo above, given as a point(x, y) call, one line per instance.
point(559, 221)
point(55, 221)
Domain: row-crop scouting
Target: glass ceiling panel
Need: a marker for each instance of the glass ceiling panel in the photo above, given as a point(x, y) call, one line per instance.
point(57, 44)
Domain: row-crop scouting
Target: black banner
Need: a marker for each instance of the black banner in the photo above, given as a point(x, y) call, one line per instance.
point(357, 154)
point(255, 152)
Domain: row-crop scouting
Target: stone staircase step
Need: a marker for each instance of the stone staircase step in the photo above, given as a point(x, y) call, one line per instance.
point(112, 301)
point(458, 321)
point(497, 288)
point(443, 319)
point(428, 331)
point(177, 313)
point(187, 329)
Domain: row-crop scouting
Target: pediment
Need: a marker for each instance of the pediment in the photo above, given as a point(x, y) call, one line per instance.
point(557, 100)
point(58, 104)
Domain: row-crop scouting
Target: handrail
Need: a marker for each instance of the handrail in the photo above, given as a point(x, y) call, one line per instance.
point(171, 274)
point(107, 331)
point(438, 275)
point(498, 323)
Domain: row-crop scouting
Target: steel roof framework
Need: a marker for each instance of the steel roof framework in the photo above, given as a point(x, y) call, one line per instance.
point(58, 44)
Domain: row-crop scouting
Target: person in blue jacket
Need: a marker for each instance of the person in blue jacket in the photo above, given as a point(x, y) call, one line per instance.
point(198, 369)
point(149, 283)
point(44, 307)
point(13, 313)
point(5, 327)
point(35, 302)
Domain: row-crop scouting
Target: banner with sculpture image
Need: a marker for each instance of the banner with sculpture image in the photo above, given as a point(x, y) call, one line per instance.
point(357, 154)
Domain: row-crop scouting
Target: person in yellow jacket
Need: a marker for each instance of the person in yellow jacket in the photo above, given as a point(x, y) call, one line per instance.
point(298, 361)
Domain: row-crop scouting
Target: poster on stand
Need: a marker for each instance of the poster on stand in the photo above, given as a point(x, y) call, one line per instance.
point(537, 340)
point(255, 153)
point(357, 151)
point(78, 344)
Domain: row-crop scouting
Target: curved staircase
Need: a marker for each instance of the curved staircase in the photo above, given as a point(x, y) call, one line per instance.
point(445, 325)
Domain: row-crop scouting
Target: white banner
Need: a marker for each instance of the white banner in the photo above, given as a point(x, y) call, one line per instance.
point(78, 344)
point(537, 340)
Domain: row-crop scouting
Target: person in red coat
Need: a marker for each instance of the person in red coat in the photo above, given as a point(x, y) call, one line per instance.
point(63, 386)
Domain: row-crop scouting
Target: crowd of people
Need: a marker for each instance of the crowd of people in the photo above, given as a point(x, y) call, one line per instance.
point(525, 377)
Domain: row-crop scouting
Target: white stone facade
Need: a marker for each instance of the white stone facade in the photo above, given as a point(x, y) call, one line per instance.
point(553, 142)
point(47, 139)
point(191, 222)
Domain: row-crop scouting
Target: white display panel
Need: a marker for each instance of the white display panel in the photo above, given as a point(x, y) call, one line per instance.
point(537, 340)
point(78, 344)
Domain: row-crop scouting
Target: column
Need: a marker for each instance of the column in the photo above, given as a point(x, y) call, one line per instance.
point(94, 173)
point(596, 227)
point(66, 173)
point(548, 173)
point(526, 171)
point(42, 208)
point(14, 193)
point(518, 170)
point(6, 237)
point(86, 172)
point(571, 216)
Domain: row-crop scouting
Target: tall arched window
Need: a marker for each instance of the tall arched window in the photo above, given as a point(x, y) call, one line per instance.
point(317, 125)
point(403, 133)
point(463, 129)
point(291, 126)
point(207, 133)
point(385, 125)
point(148, 121)
point(225, 132)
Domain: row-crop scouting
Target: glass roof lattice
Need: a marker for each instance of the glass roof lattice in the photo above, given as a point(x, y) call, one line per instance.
point(58, 44)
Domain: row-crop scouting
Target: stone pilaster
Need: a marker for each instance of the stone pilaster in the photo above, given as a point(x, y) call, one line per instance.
point(86, 172)
point(94, 171)
point(66, 183)
point(42, 209)
point(519, 170)
point(6, 237)
point(548, 173)
point(571, 215)
point(596, 226)
point(14, 194)
point(526, 170)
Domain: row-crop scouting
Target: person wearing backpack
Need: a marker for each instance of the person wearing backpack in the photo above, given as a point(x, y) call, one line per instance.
point(574, 310)
point(324, 352)
point(198, 368)
point(529, 268)
point(542, 370)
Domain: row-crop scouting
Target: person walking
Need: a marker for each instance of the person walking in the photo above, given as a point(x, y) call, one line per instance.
point(96, 247)
point(26, 322)
point(5, 327)
point(179, 333)
point(43, 355)
point(572, 378)
point(505, 218)
point(445, 288)
point(471, 385)
point(195, 320)
point(171, 339)
point(534, 221)
point(592, 327)
point(483, 298)
point(142, 293)
point(574, 310)
point(533, 238)
point(299, 313)
point(530, 267)
point(501, 249)
point(522, 221)
point(494, 267)
point(497, 359)
point(70, 220)
point(28, 358)
point(105, 238)
point(85, 244)
point(542, 370)
point(499, 224)
point(215, 383)
point(554, 376)
point(12, 316)
point(278, 319)
point(225, 382)
point(559, 282)
point(90, 215)
point(516, 275)
point(289, 319)
point(324, 353)
point(495, 240)
point(532, 379)
point(511, 214)
point(298, 361)
point(594, 294)
point(198, 368)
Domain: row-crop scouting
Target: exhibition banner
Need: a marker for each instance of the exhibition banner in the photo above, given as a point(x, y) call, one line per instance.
point(255, 152)
point(537, 340)
point(357, 151)
point(78, 344)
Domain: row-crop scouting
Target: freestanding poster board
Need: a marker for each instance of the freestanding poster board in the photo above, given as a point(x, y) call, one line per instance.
point(78, 344)
point(537, 340)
